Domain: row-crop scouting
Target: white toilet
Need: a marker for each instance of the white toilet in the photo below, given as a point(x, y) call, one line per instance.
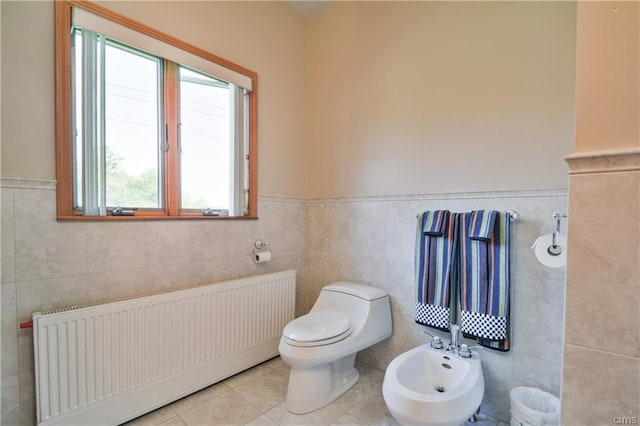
point(321, 346)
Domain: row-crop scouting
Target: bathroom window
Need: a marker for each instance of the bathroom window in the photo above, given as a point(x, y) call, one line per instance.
point(148, 126)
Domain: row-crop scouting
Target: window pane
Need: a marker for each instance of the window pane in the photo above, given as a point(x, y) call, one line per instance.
point(132, 129)
point(205, 140)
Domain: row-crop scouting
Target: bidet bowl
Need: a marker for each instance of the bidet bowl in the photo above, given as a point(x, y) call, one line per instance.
point(426, 386)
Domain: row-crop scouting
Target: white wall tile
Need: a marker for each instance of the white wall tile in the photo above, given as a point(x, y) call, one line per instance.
point(50, 293)
point(45, 248)
point(166, 242)
point(10, 400)
point(27, 398)
point(603, 295)
point(115, 246)
point(538, 317)
point(496, 367)
point(207, 272)
point(123, 284)
point(25, 350)
point(607, 385)
point(9, 330)
point(283, 223)
point(7, 237)
point(222, 239)
point(534, 371)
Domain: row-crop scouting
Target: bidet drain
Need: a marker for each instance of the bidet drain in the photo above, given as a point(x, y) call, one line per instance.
point(440, 389)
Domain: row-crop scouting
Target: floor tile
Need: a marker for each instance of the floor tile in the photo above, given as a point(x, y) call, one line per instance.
point(283, 370)
point(275, 362)
point(279, 366)
point(153, 418)
point(373, 411)
point(257, 397)
point(348, 420)
point(369, 383)
point(323, 416)
point(262, 370)
point(226, 409)
point(173, 421)
point(264, 392)
point(262, 421)
point(195, 399)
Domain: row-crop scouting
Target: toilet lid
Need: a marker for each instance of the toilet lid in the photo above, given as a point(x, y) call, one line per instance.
point(317, 328)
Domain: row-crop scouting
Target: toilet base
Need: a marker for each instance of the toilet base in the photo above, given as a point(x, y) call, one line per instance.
point(314, 387)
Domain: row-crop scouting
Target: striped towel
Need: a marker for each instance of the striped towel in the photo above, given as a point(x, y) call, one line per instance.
point(485, 280)
point(435, 268)
point(435, 223)
point(481, 226)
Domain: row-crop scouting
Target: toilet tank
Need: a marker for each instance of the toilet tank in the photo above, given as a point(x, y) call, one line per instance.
point(358, 301)
point(362, 291)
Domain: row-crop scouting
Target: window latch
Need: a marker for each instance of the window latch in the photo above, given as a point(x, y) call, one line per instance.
point(119, 211)
point(215, 212)
point(165, 145)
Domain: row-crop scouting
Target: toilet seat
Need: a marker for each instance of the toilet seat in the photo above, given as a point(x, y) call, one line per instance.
point(317, 328)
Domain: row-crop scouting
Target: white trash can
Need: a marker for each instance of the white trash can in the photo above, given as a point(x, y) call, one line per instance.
point(533, 407)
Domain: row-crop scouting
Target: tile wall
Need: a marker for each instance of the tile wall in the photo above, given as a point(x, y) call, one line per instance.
point(371, 240)
point(601, 377)
point(47, 264)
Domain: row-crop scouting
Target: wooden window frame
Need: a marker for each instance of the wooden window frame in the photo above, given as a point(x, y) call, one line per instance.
point(64, 139)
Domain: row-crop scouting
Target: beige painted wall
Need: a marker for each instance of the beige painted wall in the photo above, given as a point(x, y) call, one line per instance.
point(418, 97)
point(266, 37)
point(490, 85)
point(0, 115)
point(608, 75)
point(28, 143)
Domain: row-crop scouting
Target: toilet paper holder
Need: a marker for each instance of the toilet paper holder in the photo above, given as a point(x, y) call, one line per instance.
point(261, 253)
point(259, 245)
point(554, 249)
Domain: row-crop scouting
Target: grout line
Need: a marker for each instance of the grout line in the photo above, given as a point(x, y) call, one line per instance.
point(249, 402)
point(269, 417)
point(353, 415)
point(183, 420)
point(631, 357)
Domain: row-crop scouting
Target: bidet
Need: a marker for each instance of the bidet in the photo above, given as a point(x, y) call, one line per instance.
point(427, 386)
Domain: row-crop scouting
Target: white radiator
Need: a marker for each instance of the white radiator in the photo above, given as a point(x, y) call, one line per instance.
point(109, 363)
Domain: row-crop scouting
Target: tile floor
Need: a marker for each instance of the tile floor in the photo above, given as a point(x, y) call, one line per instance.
point(256, 397)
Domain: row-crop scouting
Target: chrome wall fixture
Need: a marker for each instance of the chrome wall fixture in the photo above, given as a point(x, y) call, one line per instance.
point(555, 249)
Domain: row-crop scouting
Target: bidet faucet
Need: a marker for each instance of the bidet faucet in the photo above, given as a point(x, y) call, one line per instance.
point(436, 341)
point(465, 350)
point(455, 337)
